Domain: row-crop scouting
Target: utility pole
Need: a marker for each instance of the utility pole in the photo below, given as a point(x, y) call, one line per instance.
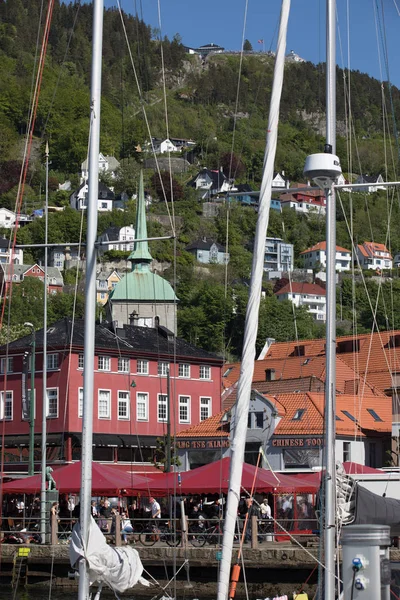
point(168, 444)
point(31, 468)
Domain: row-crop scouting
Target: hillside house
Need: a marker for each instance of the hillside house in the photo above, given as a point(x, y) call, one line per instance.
point(7, 218)
point(65, 257)
point(309, 295)
point(79, 198)
point(278, 255)
point(107, 164)
point(113, 238)
point(7, 255)
point(105, 283)
point(17, 273)
point(279, 180)
point(294, 58)
point(307, 202)
point(371, 183)
point(211, 182)
point(208, 251)
point(315, 257)
point(372, 255)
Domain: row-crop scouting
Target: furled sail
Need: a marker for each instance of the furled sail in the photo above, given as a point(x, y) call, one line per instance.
point(118, 568)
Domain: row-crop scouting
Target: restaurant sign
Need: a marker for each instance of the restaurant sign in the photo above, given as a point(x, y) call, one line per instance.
point(291, 442)
point(201, 444)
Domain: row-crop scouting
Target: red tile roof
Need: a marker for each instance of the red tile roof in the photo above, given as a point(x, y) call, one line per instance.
point(311, 289)
point(312, 421)
point(322, 246)
point(211, 427)
point(369, 249)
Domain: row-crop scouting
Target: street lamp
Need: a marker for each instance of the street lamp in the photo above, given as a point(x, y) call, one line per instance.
point(31, 467)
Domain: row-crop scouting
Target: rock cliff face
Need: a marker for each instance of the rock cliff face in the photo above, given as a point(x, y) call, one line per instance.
point(317, 121)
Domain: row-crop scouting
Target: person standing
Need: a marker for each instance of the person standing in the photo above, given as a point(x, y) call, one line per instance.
point(265, 509)
point(155, 514)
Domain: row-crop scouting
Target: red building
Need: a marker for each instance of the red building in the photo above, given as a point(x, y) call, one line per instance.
point(16, 274)
point(130, 392)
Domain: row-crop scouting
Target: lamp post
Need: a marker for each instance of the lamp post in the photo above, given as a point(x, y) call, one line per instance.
point(31, 468)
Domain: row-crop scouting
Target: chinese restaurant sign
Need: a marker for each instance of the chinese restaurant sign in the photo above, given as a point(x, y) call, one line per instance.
point(289, 442)
point(201, 444)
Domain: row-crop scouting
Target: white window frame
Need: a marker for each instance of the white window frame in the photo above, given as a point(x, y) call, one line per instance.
point(142, 366)
point(184, 370)
point(80, 403)
point(81, 361)
point(10, 364)
point(108, 415)
point(145, 402)
point(6, 398)
point(162, 368)
point(162, 402)
point(123, 399)
point(52, 361)
point(48, 415)
point(187, 405)
point(209, 407)
point(205, 372)
point(103, 363)
point(123, 364)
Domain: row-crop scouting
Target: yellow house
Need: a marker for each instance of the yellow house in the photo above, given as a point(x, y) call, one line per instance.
point(105, 283)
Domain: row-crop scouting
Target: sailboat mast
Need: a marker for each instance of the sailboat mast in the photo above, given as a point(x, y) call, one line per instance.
point(252, 313)
point(330, 387)
point(90, 290)
point(44, 368)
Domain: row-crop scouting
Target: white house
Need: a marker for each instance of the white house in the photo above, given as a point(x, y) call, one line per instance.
point(306, 202)
point(372, 183)
point(107, 164)
point(65, 257)
point(278, 255)
point(113, 238)
point(7, 218)
point(316, 256)
point(341, 180)
point(7, 256)
point(161, 146)
point(78, 199)
point(279, 180)
point(374, 256)
point(293, 57)
point(211, 182)
point(207, 251)
point(310, 295)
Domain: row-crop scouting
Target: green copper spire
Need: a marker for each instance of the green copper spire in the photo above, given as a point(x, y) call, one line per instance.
point(140, 254)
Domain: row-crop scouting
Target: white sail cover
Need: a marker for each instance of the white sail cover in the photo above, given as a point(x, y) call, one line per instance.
point(119, 568)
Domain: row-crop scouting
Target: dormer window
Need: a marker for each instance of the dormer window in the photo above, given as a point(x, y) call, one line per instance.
point(269, 374)
point(299, 350)
point(347, 346)
point(299, 414)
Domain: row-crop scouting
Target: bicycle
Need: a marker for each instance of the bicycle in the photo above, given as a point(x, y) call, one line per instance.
point(162, 532)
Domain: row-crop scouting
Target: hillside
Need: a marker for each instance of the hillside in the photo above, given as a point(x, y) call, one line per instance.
point(201, 105)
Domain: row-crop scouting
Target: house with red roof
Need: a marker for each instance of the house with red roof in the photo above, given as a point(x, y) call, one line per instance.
point(307, 202)
point(372, 255)
point(310, 295)
point(316, 257)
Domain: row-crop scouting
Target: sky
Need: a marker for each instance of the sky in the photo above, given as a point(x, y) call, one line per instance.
point(222, 22)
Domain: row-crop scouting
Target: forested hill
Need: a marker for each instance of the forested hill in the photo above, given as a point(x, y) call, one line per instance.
point(201, 98)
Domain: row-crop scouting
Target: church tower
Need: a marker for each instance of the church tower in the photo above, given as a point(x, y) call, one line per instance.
point(142, 298)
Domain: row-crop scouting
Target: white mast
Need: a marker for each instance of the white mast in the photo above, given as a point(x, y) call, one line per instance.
point(44, 368)
point(90, 291)
point(330, 385)
point(253, 306)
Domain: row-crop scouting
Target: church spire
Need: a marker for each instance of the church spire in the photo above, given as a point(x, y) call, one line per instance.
point(140, 254)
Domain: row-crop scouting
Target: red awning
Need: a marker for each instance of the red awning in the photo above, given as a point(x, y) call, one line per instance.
point(106, 481)
point(352, 468)
point(214, 478)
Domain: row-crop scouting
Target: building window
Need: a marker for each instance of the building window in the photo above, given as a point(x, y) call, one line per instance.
point(104, 407)
point(162, 408)
point(142, 406)
point(258, 420)
point(346, 451)
point(184, 409)
point(123, 405)
point(6, 408)
point(123, 365)
point(163, 368)
point(299, 414)
point(104, 363)
point(52, 362)
point(142, 367)
point(205, 408)
point(205, 372)
point(52, 403)
point(374, 414)
point(81, 361)
point(10, 364)
point(184, 370)
point(80, 403)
